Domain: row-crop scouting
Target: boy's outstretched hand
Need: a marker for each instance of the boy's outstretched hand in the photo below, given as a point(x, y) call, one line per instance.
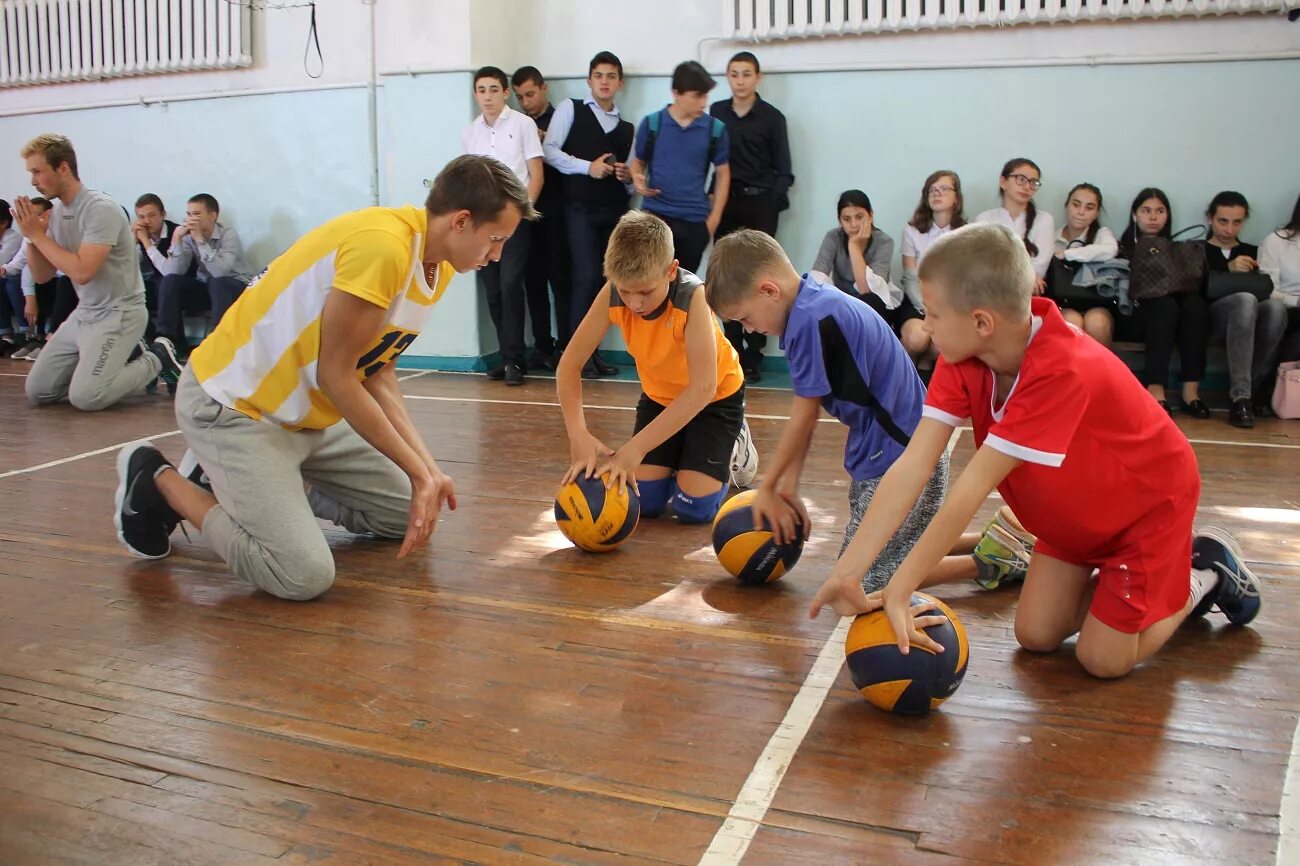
point(620, 469)
point(908, 622)
point(585, 453)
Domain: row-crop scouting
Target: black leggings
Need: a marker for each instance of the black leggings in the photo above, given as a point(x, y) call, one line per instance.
point(1182, 320)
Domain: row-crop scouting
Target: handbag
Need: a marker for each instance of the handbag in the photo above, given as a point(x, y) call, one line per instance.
point(1224, 283)
point(1060, 281)
point(1286, 393)
point(1159, 267)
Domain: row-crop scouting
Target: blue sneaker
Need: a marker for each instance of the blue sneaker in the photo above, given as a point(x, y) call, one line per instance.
point(1238, 594)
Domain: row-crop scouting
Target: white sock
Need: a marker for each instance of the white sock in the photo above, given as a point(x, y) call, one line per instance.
point(1203, 580)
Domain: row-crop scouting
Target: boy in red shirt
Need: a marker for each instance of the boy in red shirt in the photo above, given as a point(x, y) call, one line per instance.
point(1086, 459)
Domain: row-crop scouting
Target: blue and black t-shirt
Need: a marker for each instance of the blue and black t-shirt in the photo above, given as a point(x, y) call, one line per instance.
point(842, 353)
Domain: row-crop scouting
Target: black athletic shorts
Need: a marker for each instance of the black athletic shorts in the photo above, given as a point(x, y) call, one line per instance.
point(705, 444)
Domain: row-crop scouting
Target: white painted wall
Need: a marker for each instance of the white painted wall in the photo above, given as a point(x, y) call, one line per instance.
point(284, 152)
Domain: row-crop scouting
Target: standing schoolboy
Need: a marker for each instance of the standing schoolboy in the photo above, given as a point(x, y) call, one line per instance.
point(589, 142)
point(675, 147)
point(550, 265)
point(510, 137)
point(761, 177)
point(1073, 443)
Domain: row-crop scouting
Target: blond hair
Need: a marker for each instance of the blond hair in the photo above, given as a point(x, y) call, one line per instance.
point(738, 263)
point(56, 149)
point(640, 250)
point(982, 266)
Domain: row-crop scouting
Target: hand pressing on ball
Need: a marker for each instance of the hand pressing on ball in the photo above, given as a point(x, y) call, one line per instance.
point(621, 469)
point(586, 452)
point(908, 621)
point(783, 514)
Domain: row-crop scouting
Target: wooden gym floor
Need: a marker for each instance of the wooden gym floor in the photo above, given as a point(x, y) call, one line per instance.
point(505, 699)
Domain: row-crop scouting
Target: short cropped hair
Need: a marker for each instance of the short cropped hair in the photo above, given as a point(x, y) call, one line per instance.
point(150, 198)
point(482, 185)
point(745, 57)
point(495, 73)
point(526, 75)
point(691, 77)
point(57, 149)
point(737, 264)
point(605, 58)
point(982, 266)
point(208, 200)
point(640, 249)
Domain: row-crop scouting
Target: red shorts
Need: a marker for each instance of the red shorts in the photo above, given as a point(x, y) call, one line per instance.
point(1147, 575)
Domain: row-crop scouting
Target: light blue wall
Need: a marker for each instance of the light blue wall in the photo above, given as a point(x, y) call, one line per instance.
point(279, 164)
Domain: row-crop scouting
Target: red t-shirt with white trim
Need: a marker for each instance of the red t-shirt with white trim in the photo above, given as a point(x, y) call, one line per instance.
point(1098, 451)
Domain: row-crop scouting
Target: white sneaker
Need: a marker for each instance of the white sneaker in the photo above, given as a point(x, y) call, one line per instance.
point(744, 459)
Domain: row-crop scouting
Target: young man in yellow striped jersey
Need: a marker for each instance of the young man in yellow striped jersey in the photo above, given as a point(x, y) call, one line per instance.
point(291, 406)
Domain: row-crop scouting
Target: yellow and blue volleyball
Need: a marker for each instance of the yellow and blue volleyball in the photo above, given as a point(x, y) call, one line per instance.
point(912, 684)
point(751, 555)
point(594, 518)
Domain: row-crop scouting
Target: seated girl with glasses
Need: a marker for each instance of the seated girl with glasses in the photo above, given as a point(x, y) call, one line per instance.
point(1021, 178)
point(938, 212)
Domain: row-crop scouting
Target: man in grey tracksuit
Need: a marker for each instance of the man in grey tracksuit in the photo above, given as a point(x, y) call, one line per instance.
point(97, 356)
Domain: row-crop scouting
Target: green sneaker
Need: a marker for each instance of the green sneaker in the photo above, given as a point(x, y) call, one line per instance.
point(1001, 557)
point(1006, 519)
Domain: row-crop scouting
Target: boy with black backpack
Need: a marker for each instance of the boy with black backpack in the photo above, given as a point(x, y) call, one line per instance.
point(670, 164)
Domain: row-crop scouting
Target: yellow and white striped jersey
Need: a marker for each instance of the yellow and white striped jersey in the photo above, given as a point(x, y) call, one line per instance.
point(261, 357)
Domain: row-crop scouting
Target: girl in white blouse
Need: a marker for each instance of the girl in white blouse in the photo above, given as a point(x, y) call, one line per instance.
point(938, 212)
point(1084, 239)
point(1021, 178)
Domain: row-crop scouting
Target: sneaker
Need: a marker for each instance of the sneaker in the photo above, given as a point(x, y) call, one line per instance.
point(496, 374)
point(25, 350)
point(34, 353)
point(514, 374)
point(744, 459)
point(1004, 555)
point(1238, 594)
point(143, 518)
point(1006, 518)
point(165, 351)
point(138, 350)
point(191, 471)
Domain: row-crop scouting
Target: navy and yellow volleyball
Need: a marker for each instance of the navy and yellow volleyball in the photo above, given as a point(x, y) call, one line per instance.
point(594, 518)
point(912, 684)
point(748, 554)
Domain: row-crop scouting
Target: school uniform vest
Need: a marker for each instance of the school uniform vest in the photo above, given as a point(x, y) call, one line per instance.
point(586, 140)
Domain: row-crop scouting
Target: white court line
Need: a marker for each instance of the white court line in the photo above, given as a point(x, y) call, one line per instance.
point(51, 464)
point(1288, 846)
point(732, 839)
point(443, 399)
point(94, 453)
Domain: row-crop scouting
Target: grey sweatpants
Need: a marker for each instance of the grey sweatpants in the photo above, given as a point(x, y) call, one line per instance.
point(1252, 330)
point(85, 362)
point(898, 547)
point(264, 525)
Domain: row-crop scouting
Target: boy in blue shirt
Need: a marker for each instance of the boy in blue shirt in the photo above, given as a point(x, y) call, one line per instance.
point(844, 358)
point(670, 164)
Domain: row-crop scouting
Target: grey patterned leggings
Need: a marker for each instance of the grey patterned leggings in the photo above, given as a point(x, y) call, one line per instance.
point(927, 506)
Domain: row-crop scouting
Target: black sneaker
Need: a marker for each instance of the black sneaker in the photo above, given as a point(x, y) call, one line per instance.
point(165, 351)
point(191, 471)
point(137, 350)
point(1238, 594)
point(514, 374)
point(143, 518)
point(496, 374)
